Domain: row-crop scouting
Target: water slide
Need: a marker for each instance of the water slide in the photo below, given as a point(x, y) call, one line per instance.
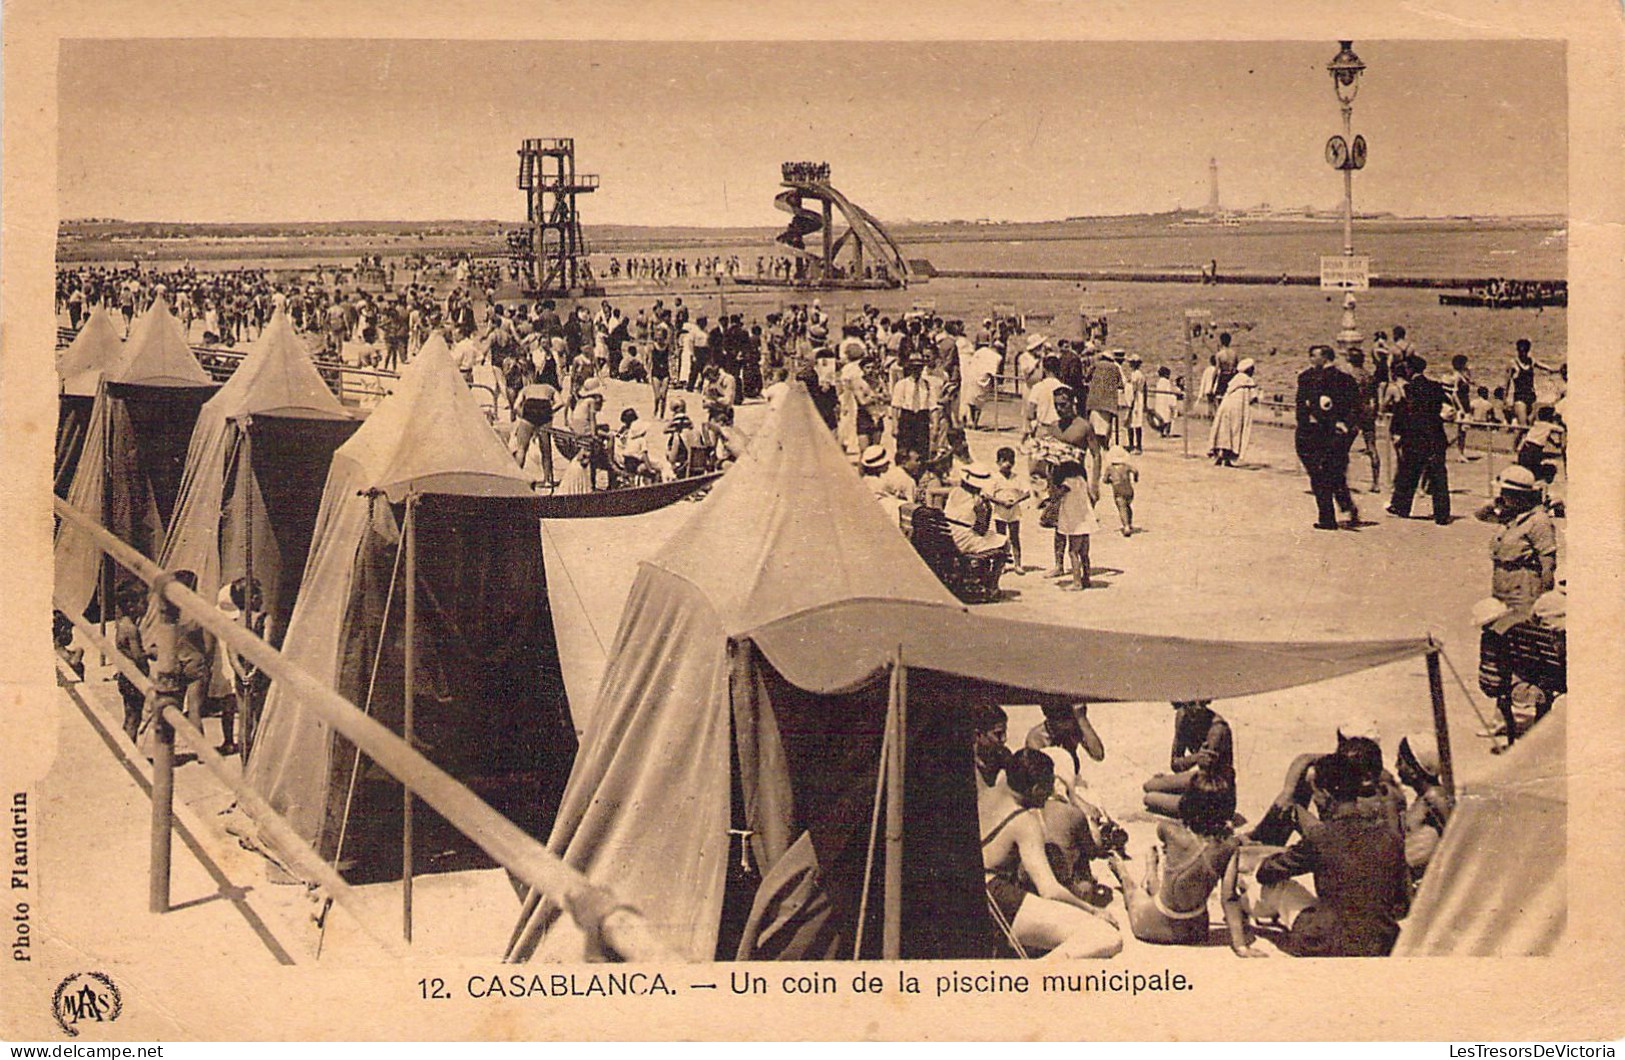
point(803, 223)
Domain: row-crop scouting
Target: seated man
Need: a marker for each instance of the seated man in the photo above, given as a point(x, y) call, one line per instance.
point(970, 514)
point(1036, 911)
point(719, 436)
point(1362, 885)
point(891, 485)
point(1417, 764)
point(1067, 726)
point(636, 457)
point(991, 753)
point(1202, 744)
point(1378, 797)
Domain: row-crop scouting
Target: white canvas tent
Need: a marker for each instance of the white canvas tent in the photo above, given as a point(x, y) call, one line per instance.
point(424, 514)
point(130, 469)
point(1497, 886)
point(254, 472)
point(745, 706)
point(79, 368)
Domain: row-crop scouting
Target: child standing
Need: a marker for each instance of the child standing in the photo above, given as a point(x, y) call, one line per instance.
point(127, 639)
point(1121, 475)
point(1007, 492)
point(1164, 406)
point(1075, 519)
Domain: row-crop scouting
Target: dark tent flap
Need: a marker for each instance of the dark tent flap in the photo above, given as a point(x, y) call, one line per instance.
point(841, 646)
point(632, 500)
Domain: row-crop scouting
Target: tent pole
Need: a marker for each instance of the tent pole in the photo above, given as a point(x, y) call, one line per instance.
point(246, 457)
point(409, 690)
point(891, 942)
point(104, 570)
point(245, 697)
point(1441, 727)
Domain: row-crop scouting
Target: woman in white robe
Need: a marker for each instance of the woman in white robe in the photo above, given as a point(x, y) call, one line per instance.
point(1233, 423)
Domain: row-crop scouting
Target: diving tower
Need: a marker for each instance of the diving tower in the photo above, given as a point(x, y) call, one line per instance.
point(550, 251)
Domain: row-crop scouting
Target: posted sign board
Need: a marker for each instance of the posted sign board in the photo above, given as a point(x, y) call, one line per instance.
point(1345, 272)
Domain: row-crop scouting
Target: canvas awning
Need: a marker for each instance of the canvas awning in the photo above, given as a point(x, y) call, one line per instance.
point(842, 646)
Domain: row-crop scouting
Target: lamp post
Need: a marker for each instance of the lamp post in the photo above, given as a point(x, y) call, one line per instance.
point(1347, 153)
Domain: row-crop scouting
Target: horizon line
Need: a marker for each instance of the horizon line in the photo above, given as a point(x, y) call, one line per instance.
point(1236, 213)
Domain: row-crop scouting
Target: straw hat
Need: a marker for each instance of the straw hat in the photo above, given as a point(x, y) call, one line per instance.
point(1516, 479)
point(875, 458)
point(977, 476)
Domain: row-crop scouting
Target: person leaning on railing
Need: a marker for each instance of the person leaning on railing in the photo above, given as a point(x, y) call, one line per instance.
point(181, 656)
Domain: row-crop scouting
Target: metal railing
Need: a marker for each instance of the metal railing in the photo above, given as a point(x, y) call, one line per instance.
point(352, 385)
point(1003, 411)
point(623, 931)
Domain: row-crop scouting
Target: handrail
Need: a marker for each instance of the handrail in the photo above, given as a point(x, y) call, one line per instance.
point(302, 857)
point(209, 356)
point(1003, 391)
point(594, 908)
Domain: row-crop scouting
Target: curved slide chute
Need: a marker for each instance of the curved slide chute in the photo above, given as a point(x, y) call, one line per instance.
point(803, 223)
point(865, 239)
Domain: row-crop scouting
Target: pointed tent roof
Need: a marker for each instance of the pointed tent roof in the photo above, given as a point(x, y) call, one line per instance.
point(790, 527)
point(791, 550)
point(157, 354)
point(277, 378)
point(430, 436)
point(97, 348)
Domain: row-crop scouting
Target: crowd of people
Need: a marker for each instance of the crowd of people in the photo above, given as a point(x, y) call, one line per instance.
point(1502, 291)
point(665, 269)
point(900, 392)
point(1341, 817)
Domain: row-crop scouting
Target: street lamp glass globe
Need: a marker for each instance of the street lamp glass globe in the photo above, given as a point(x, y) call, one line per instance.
point(1345, 69)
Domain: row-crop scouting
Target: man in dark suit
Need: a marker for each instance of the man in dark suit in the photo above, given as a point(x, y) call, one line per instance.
point(1418, 429)
point(1327, 400)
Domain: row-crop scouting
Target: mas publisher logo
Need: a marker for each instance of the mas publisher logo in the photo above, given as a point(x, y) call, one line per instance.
point(83, 998)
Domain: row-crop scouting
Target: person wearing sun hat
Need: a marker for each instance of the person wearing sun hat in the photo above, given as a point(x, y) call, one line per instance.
point(1523, 553)
point(872, 465)
point(1417, 763)
point(970, 513)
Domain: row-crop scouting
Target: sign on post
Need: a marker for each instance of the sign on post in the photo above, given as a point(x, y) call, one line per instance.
point(1345, 272)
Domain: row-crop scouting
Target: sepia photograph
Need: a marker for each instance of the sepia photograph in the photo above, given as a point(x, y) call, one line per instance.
point(564, 526)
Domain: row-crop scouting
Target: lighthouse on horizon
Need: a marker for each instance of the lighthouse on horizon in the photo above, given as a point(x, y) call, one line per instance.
point(1213, 187)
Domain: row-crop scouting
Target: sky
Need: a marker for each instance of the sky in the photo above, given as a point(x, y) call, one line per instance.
point(693, 134)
